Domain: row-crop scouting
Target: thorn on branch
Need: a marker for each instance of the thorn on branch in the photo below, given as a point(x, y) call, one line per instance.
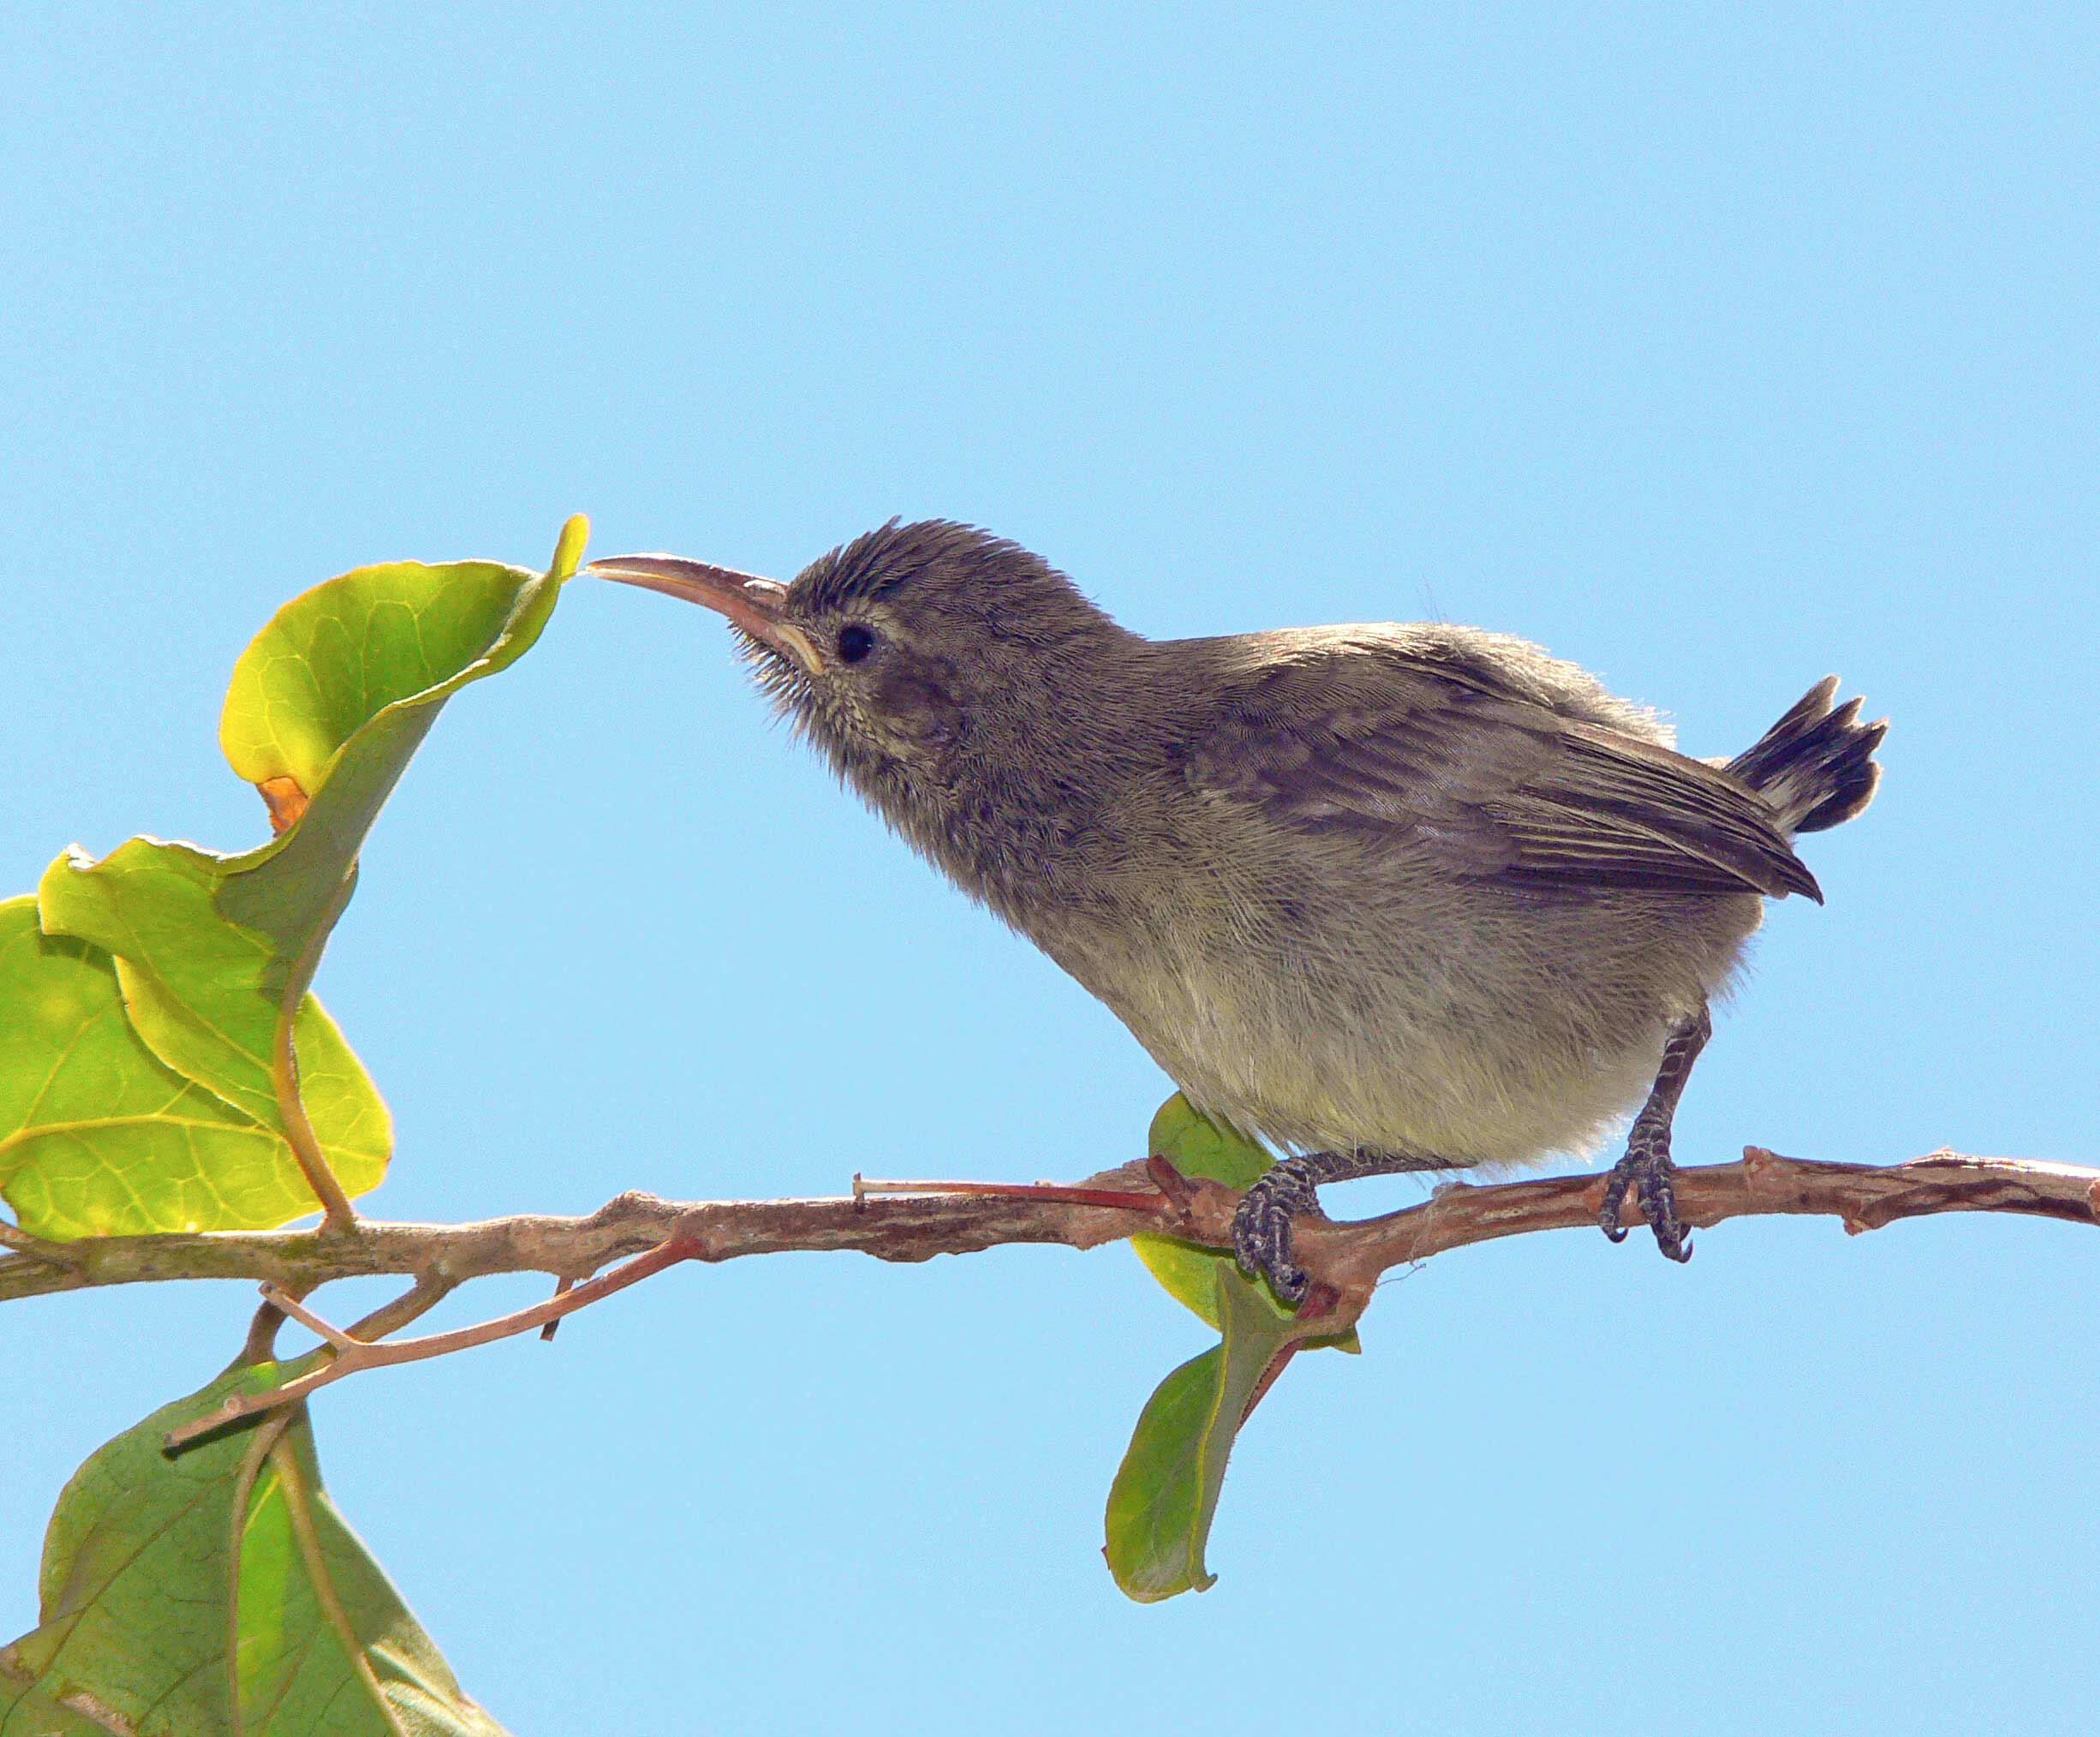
point(1170, 1183)
point(563, 1286)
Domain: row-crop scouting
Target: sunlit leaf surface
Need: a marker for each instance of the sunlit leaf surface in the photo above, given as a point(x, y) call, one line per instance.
point(98, 1136)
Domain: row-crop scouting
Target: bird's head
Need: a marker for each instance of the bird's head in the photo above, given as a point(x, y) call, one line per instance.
point(911, 653)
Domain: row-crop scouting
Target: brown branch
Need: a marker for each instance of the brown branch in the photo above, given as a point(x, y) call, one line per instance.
point(896, 1230)
point(649, 1235)
point(35, 1248)
point(1864, 1197)
point(1348, 1255)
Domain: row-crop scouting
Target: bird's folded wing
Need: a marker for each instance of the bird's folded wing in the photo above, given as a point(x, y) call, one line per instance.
point(1411, 754)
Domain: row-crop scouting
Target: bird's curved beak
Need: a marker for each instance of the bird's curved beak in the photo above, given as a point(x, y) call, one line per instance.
point(757, 605)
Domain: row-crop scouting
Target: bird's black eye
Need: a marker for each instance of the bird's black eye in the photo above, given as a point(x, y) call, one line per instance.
point(855, 642)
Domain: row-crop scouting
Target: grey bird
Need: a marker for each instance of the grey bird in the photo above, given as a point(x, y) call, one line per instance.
point(1388, 897)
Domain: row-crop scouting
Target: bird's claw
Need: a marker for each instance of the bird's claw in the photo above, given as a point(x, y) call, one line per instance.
point(1647, 1170)
point(1262, 1228)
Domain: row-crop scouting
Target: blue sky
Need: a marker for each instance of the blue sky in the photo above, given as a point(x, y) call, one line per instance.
point(1714, 350)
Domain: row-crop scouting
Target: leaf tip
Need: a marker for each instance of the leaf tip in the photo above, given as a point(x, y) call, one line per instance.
point(569, 546)
point(54, 883)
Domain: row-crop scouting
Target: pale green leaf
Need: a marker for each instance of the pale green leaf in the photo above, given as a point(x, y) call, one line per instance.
point(1197, 1146)
point(338, 692)
point(98, 1136)
point(198, 991)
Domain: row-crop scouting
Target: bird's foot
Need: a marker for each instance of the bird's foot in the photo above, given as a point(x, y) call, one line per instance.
point(1261, 1226)
point(1647, 1169)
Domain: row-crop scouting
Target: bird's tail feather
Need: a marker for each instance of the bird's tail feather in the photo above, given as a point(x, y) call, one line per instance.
point(1815, 766)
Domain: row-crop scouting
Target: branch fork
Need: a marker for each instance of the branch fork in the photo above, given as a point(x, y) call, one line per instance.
point(353, 1353)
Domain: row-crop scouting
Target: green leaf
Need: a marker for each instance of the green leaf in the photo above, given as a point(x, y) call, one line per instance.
point(337, 693)
point(98, 1136)
point(1166, 1492)
point(327, 705)
point(1197, 1147)
point(200, 992)
point(1188, 1271)
point(219, 1591)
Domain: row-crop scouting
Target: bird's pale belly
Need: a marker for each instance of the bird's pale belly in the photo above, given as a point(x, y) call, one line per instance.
point(1406, 1085)
point(1455, 1058)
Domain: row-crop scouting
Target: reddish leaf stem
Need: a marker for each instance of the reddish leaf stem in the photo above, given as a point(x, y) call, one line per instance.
point(355, 1354)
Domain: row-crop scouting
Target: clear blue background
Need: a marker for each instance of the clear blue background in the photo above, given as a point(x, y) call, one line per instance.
point(1712, 351)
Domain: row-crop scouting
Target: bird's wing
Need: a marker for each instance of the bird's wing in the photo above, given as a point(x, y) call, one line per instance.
point(1413, 753)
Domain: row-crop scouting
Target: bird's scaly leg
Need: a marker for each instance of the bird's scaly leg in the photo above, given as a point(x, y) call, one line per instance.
point(1288, 1189)
point(1646, 1167)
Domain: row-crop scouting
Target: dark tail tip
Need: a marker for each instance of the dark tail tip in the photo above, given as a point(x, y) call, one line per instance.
point(1815, 766)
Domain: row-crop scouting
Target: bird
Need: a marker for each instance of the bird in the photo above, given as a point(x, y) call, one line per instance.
point(1385, 897)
